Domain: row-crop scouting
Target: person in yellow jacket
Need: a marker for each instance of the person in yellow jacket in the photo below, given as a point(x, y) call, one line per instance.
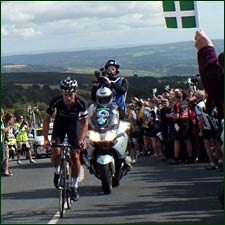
point(21, 128)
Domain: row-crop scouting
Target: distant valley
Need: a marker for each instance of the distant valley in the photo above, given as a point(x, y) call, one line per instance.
point(174, 59)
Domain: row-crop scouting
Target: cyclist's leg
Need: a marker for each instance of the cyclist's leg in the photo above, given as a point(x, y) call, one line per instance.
point(75, 171)
point(73, 139)
point(58, 135)
point(55, 156)
point(75, 157)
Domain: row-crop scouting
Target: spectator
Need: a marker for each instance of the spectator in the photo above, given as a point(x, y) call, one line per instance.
point(4, 147)
point(210, 68)
point(164, 125)
point(21, 128)
point(206, 131)
point(145, 117)
point(182, 128)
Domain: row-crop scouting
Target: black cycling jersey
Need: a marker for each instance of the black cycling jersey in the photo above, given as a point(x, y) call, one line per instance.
point(67, 120)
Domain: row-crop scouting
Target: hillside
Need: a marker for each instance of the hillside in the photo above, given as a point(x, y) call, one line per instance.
point(174, 59)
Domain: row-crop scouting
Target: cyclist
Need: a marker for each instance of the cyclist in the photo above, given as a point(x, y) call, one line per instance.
point(118, 85)
point(71, 118)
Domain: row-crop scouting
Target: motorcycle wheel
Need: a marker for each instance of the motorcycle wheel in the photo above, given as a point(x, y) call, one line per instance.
point(106, 178)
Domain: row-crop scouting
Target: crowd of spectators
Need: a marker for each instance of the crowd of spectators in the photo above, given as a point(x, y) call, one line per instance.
point(178, 125)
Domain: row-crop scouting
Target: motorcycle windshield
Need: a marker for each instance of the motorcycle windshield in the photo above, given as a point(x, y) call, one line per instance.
point(105, 118)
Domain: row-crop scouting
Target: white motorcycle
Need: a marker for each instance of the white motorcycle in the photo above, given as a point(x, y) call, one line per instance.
point(107, 141)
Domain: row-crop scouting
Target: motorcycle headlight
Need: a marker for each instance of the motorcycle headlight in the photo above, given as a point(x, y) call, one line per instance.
point(94, 136)
point(110, 135)
point(107, 136)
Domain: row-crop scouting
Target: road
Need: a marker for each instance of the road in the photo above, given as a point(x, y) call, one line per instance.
point(153, 192)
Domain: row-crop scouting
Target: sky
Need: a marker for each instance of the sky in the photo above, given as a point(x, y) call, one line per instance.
point(49, 26)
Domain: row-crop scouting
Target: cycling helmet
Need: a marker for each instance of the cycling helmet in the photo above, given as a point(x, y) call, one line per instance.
point(112, 63)
point(103, 95)
point(68, 85)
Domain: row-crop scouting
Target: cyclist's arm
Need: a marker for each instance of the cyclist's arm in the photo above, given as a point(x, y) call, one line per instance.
point(47, 117)
point(46, 122)
point(84, 128)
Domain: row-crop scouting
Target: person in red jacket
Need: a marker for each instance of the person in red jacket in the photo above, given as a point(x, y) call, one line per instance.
point(210, 67)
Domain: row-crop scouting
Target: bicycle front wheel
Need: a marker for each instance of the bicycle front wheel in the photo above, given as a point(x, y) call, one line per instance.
point(62, 188)
point(68, 189)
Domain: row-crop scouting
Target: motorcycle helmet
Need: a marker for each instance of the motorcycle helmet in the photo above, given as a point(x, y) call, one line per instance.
point(103, 96)
point(112, 76)
point(68, 85)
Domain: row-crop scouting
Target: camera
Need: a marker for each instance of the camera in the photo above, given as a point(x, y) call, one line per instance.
point(101, 75)
point(24, 123)
point(193, 81)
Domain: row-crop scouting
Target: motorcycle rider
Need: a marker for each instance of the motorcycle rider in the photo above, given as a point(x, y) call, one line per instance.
point(104, 97)
point(119, 85)
point(71, 118)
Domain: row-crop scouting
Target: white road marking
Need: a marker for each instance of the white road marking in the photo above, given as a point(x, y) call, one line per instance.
point(56, 217)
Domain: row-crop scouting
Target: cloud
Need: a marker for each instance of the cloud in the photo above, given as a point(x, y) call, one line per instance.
point(26, 19)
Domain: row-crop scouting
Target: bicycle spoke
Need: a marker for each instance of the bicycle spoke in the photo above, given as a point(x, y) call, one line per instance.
point(68, 193)
point(61, 202)
point(62, 188)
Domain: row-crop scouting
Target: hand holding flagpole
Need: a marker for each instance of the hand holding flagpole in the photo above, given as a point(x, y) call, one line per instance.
point(202, 40)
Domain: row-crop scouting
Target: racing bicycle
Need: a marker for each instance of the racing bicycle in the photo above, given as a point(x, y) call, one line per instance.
point(64, 177)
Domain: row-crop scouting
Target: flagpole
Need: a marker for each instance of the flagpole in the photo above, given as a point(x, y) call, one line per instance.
point(197, 18)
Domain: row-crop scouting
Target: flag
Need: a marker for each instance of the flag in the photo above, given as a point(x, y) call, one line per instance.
point(180, 14)
point(154, 90)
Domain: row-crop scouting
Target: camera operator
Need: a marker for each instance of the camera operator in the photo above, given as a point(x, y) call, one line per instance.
point(109, 76)
point(21, 128)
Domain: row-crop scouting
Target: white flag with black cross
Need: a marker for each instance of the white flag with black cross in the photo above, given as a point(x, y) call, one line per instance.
point(180, 14)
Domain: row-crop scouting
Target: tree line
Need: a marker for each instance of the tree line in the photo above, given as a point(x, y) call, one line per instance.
point(17, 96)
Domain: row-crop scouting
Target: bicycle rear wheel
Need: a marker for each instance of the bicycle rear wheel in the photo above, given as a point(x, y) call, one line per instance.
point(62, 188)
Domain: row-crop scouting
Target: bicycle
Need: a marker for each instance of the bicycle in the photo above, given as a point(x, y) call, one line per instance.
point(64, 177)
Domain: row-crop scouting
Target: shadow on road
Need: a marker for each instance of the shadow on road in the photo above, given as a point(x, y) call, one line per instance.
point(42, 194)
point(26, 216)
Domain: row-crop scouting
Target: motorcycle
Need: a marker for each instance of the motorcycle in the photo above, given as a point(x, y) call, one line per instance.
point(107, 142)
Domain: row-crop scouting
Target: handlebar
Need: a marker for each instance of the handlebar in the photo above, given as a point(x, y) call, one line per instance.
point(60, 145)
point(67, 145)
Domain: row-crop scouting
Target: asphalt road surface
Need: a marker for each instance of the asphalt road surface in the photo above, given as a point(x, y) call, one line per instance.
point(153, 192)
